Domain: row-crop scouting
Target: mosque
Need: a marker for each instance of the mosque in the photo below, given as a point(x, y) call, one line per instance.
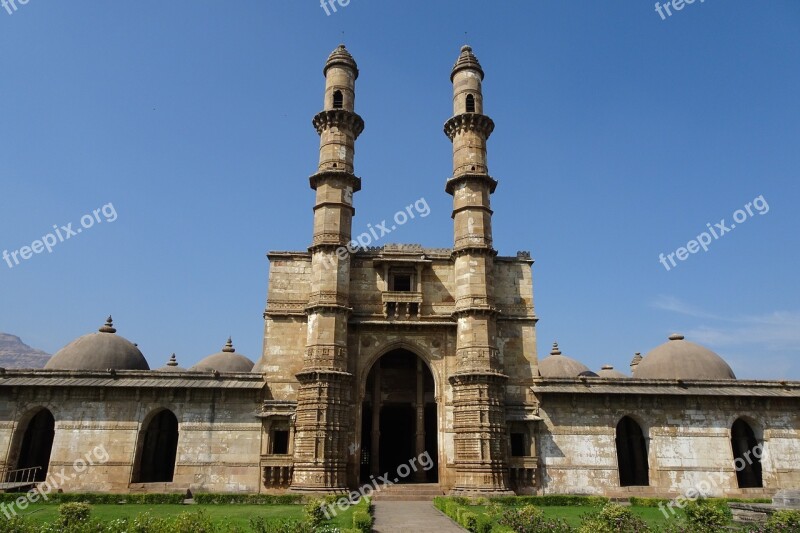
point(374, 356)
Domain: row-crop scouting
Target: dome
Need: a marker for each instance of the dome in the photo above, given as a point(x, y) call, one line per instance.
point(341, 56)
point(466, 60)
point(608, 372)
point(560, 366)
point(226, 361)
point(681, 359)
point(99, 351)
point(171, 366)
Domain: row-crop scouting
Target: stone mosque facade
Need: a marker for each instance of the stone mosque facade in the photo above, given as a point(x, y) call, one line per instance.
point(375, 356)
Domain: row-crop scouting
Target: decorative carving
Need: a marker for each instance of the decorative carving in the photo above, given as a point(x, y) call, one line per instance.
point(473, 122)
point(321, 356)
point(341, 119)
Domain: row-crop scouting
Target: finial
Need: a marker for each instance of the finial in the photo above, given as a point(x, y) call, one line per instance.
point(676, 337)
point(173, 361)
point(637, 358)
point(555, 350)
point(109, 326)
point(607, 367)
point(466, 61)
point(229, 346)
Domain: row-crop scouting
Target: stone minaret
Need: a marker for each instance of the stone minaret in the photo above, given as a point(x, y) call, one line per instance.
point(478, 382)
point(324, 404)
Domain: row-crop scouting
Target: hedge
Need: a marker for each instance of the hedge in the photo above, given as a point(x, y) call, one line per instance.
point(251, 499)
point(552, 500)
point(655, 502)
point(98, 499)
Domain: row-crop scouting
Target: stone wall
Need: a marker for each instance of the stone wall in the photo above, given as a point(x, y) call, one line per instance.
point(688, 441)
point(218, 444)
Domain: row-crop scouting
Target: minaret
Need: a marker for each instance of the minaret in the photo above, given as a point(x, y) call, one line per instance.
point(478, 382)
point(324, 405)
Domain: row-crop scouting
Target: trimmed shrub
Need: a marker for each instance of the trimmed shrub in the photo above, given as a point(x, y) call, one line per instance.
point(199, 522)
point(529, 519)
point(73, 514)
point(484, 524)
point(648, 502)
point(785, 520)
point(362, 521)
point(260, 524)
point(248, 499)
point(314, 513)
point(613, 518)
point(16, 525)
point(708, 516)
point(469, 521)
point(552, 500)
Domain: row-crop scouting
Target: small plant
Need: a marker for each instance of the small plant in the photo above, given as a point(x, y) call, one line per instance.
point(613, 518)
point(362, 521)
point(73, 514)
point(17, 525)
point(530, 519)
point(199, 522)
point(260, 524)
point(469, 521)
point(705, 516)
point(788, 520)
point(784, 521)
point(314, 513)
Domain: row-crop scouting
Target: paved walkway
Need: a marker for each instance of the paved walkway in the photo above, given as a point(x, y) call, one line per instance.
point(419, 517)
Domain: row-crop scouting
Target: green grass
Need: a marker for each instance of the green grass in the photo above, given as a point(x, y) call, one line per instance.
point(236, 515)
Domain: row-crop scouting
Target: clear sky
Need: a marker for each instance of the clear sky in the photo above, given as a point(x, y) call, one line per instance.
point(618, 137)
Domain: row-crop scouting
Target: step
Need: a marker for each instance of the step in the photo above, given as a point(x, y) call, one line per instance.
point(409, 492)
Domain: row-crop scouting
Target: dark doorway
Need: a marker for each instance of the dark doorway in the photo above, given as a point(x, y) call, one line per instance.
point(397, 425)
point(159, 446)
point(37, 443)
point(748, 466)
point(631, 454)
point(396, 384)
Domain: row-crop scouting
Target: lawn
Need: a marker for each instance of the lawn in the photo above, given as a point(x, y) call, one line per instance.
point(234, 515)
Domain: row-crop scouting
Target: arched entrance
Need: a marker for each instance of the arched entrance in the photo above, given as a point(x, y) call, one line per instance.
point(747, 464)
point(37, 443)
point(631, 454)
point(158, 446)
point(399, 419)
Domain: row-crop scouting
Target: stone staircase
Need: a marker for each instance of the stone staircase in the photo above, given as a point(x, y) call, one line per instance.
point(408, 492)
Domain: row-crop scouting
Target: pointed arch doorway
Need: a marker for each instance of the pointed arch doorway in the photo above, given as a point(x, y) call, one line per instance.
point(399, 418)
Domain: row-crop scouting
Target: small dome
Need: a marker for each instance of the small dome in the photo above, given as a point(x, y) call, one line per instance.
point(560, 366)
point(226, 361)
point(681, 359)
point(99, 351)
point(466, 60)
point(340, 56)
point(608, 372)
point(171, 366)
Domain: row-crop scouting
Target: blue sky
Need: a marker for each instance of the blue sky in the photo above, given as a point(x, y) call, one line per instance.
point(618, 137)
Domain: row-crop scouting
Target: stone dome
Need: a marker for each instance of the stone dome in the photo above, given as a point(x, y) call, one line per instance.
point(608, 372)
point(99, 351)
point(226, 361)
point(556, 365)
point(681, 359)
point(340, 56)
point(466, 60)
point(171, 366)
